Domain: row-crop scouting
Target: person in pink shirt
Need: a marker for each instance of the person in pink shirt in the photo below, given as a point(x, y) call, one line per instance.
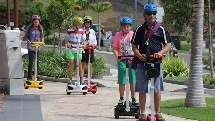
point(122, 46)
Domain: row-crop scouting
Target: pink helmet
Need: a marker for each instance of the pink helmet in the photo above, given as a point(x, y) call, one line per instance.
point(35, 17)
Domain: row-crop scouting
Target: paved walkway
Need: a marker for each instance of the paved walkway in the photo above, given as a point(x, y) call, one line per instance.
point(52, 104)
point(57, 106)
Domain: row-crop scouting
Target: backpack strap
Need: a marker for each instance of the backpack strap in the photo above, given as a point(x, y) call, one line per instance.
point(154, 29)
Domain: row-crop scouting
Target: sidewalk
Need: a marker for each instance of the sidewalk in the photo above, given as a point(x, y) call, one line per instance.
point(52, 104)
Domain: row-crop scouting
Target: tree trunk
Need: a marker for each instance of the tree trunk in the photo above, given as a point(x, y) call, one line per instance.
point(99, 38)
point(210, 41)
point(195, 92)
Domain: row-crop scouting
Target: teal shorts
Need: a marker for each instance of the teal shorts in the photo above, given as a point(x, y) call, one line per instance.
point(122, 73)
point(73, 56)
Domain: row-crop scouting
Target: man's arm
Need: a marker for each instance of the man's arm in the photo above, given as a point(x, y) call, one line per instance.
point(166, 42)
point(135, 43)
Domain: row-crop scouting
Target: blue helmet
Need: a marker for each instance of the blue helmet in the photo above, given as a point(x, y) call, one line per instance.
point(125, 20)
point(150, 8)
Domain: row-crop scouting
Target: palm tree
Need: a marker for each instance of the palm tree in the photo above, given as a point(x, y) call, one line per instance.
point(195, 91)
point(100, 7)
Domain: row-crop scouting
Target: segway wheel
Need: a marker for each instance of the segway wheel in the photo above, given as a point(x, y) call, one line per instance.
point(137, 116)
point(68, 93)
point(84, 93)
point(94, 92)
point(116, 117)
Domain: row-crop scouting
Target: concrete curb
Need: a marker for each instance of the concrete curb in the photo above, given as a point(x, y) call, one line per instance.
point(63, 80)
point(186, 83)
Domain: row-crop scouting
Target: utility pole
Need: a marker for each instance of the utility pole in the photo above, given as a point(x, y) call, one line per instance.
point(135, 13)
point(8, 14)
point(210, 40)
point(16, 25)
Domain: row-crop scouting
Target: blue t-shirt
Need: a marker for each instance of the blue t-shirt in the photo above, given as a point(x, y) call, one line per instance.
point(34, 35)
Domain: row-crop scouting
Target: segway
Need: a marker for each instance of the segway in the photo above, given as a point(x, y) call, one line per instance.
point(127, 109)
point(152, 71)
point(77, 87)
point(92, 87)
point(34, 82)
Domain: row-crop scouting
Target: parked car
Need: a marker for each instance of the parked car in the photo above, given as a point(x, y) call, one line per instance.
point(95, 27)
point(24, 51)
point(2, 27)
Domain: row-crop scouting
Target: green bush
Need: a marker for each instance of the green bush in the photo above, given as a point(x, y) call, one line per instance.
point(207, 62)
point(56, 65)
point(208, 80)
point(54, 41)
point(99, 67)
point(173, 66)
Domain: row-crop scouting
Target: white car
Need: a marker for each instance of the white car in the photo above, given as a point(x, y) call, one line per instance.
point(24, 51)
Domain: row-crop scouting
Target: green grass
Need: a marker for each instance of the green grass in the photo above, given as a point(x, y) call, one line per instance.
point(176, 108)
point(185, 48)
point(178, 78)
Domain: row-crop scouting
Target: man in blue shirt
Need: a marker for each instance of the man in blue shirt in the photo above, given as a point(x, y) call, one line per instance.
point(157, 44)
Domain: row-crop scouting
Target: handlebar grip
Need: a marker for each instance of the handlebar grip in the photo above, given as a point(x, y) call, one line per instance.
point(152, 57)
point(91, 47)
point(126, 57)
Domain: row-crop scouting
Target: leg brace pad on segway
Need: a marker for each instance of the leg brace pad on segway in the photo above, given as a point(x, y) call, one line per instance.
point(152, 70)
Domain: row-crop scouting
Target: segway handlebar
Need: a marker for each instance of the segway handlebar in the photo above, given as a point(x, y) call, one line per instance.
point(37, 44)
point(152, 57)
point(77, 46)
point(126, 57)
point(90, 48)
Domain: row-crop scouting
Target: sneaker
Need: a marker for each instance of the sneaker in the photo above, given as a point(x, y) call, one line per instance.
point(29, 78)
point(134, 102)
point(120, 102)
point(142, 117)
point(159, 117)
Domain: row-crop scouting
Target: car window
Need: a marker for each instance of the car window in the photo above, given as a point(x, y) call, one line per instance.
point(95, 28)
point(2, 27)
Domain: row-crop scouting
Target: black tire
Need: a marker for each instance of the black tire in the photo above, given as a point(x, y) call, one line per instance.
point(40, 87)
point(26, 87)
point(68, 93)
point(116, 117)
point(94, 92)
point(84, 93)
point(137, 114)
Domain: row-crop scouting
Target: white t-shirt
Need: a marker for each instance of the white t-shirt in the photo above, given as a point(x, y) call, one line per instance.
point(92, 36)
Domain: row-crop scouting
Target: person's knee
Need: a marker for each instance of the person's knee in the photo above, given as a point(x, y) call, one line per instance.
point(142, 94)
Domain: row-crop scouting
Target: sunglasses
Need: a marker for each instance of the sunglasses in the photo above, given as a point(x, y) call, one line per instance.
point(149, 14)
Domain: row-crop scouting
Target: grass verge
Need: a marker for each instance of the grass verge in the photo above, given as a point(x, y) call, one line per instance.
point(176, 107)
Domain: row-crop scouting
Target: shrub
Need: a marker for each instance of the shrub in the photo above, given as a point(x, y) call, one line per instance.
point(173, 66)
point(207, 61)
point(208, 80)
point(99, 67)
point(56, 65)
point(54, 41)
